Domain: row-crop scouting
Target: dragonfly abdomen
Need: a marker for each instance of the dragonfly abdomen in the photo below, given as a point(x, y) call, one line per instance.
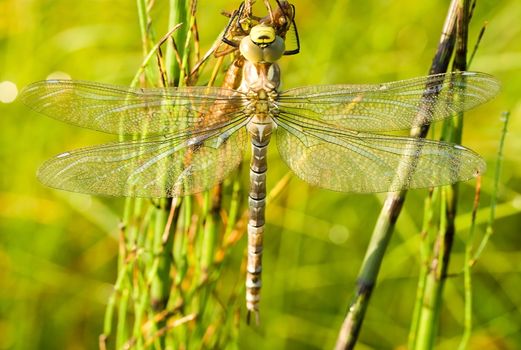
point(257, 203)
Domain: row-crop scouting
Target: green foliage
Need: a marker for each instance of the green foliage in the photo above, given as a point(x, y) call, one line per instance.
point(59, 251)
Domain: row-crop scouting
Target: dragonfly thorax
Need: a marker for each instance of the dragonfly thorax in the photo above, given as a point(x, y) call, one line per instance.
point(260, 76)
point(262, 109)
point(260, 83)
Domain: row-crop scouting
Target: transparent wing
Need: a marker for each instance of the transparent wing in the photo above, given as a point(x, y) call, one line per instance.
point(358, 162)
point(390, 106)
point(129, 111)
point(151, 167)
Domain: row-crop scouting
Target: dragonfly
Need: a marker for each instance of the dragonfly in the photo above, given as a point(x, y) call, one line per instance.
point(186, 140)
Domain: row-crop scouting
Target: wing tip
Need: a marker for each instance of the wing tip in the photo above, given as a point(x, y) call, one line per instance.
point(492, 83)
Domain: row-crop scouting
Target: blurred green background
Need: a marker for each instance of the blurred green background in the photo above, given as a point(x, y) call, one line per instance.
point(58, 250)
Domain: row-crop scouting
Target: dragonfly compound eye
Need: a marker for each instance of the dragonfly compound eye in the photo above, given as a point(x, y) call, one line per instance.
point(275, 50)
point(262, 45)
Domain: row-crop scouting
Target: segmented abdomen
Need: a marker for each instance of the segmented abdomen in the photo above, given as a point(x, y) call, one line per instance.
point(257, 205)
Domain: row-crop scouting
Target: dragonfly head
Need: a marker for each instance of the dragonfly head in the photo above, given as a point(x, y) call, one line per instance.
point(263, 45)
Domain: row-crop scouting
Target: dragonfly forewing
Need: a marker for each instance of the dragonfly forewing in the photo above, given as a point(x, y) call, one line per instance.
point(132, 111)
point(390, 106)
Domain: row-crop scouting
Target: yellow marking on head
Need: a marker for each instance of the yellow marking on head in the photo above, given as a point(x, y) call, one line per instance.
point(262, 45)
point(262, 34)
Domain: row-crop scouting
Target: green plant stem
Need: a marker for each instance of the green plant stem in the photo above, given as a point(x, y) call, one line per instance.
point(122, 332)
point(384, 227)
point(143, 24)
point(470, 259)
point(177, 15)
point(437, 276)
point(425, 253)
point(499, 161)
point(467, 276)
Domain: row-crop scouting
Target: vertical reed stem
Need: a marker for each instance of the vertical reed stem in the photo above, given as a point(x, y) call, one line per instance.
point(437, 275)
point(384, 227)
